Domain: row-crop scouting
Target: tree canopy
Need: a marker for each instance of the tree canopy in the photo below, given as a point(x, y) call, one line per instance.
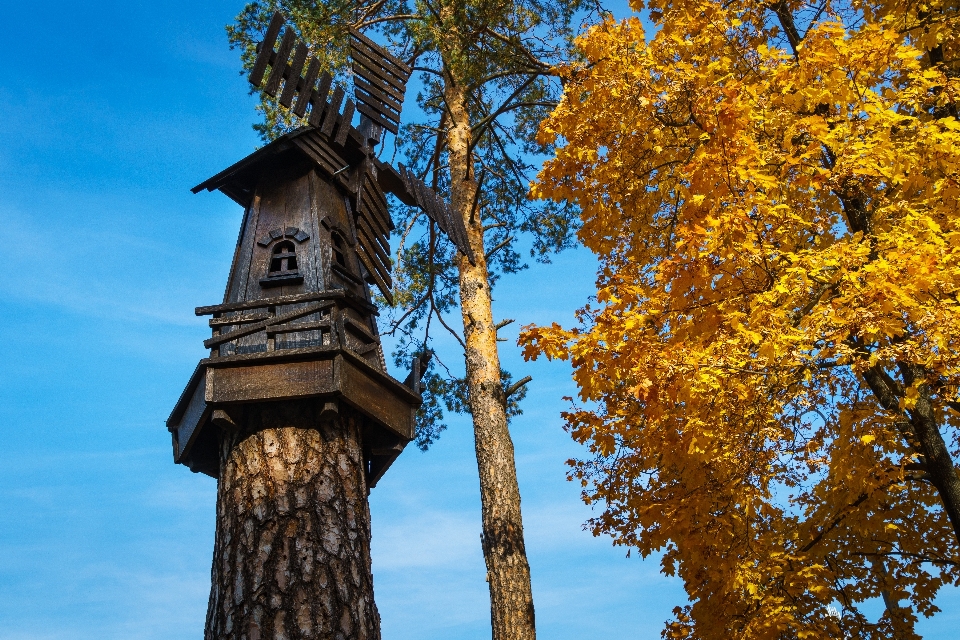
point(769, 374)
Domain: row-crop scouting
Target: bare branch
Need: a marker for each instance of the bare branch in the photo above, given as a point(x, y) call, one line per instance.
point(490, 253)
point(512, 389)
point(481, 126)
point(519, 48)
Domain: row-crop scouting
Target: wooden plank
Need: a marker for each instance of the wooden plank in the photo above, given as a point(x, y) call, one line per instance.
point(379, 201)
point(360, 72)
point(376, 226)
point(272, 381)
point(306, 90)
point(379, 75)
point(434, 206)
point(345, 119)
point(383, 270)
point(378, 118)
point(345, 273)
point(427, 203)
point(280, 62)
point(317, 155)
point(237, 320)
point(318, 99)
point(381, 285)
point(377, 244)
point(346, 297)
point(283, 355)
point(361, 39)
point(441, 210)
point(364, 391)
point(362, 329)
point(297, 216)
point(260, 326)
point(293, 74)
point(292, 327)
point(314, 249)
point(271, 216)
point(369, 205)
point(319, 143)
point(379, 59)
point(266, 49)
point(373, 230)
point(377, 106)
point(194, 415)
point(332, 109)
point(239, 269)
point(372, 69)
point(350, 216)
point(176, 415)
point(190, 411)
point(375, 74)
point(362, 85)
point(386, 381)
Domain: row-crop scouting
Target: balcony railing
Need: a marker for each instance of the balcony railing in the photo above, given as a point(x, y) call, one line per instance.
point(324, 320)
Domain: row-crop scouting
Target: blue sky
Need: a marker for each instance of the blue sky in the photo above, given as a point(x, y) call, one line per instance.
point(109, 113)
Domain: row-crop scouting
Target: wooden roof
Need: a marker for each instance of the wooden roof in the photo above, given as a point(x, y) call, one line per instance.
point(239, 180)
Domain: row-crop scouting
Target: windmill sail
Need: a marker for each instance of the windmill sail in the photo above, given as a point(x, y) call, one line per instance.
point(310, 90)
point(289, 73)
point(380, 81)
point(449, 222)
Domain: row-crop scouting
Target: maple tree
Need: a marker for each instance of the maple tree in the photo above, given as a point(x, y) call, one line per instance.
point(486, 71)
point(769, 374)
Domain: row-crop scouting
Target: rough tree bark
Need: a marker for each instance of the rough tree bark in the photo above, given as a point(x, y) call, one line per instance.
point(292, 551)
point(922, 433)
point(508, 572)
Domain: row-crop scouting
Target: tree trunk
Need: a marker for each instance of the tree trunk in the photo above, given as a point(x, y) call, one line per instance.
point(924, 433)
point(936, 455)
point(292, 552)
point(508, 572)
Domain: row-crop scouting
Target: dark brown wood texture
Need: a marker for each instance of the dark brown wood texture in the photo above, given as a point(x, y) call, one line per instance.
point(380, 81)
point(286, 72)
point(292, 548)
point(266, 52)
point(450, 224)
point(277, 381)
point(373, 227)
point(279, 203)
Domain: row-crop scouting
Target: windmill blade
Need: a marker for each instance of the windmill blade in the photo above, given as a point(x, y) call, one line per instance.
point(437, 210)
point(373, 227)
point(310, 90)
point(380, 81)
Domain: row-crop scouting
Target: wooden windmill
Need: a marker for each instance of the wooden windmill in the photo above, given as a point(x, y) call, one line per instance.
point(296, 366)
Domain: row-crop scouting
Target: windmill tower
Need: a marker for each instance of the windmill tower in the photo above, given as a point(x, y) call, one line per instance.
point(294, 412)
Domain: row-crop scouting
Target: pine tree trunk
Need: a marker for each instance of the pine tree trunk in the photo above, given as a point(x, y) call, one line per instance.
point(508, 572)
point(292, 551)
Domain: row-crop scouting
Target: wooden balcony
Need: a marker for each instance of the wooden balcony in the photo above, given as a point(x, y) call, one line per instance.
point(311, 346)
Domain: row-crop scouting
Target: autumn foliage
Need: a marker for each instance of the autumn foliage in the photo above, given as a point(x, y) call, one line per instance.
point(769, 375)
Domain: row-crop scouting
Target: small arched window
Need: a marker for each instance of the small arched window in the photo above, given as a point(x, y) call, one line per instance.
point(283, 269)
point(284, 261)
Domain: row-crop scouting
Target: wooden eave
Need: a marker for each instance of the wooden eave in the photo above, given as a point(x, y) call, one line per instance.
point(239, 180)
